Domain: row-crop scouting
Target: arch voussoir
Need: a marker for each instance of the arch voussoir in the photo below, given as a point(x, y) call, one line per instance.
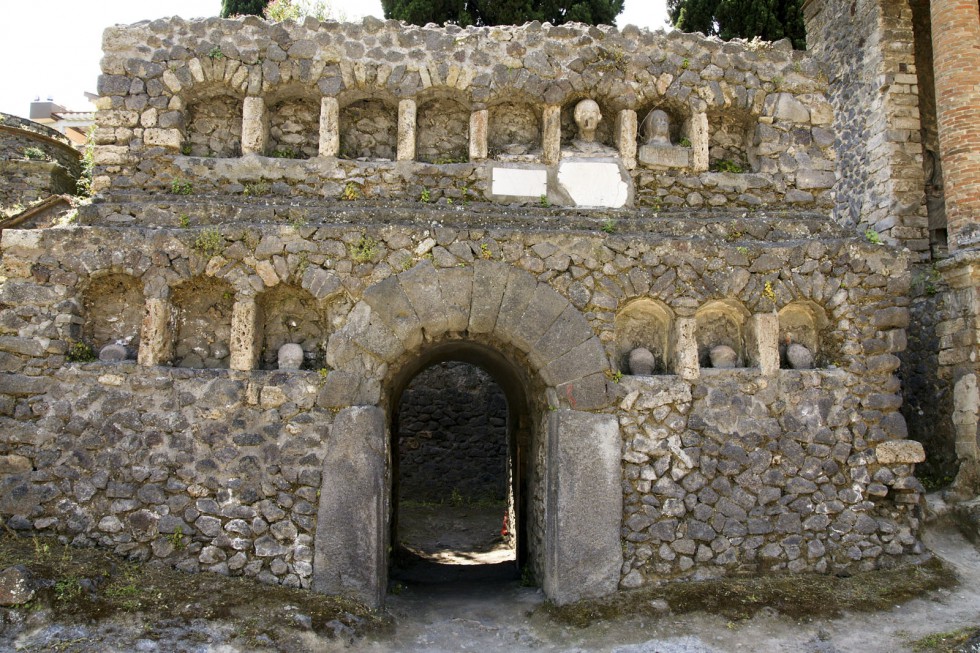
point(388, 299)
point(421, 286)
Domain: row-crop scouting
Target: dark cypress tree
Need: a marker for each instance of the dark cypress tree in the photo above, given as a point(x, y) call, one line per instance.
point(770, 20)
point(237, 7)
point(503, 12)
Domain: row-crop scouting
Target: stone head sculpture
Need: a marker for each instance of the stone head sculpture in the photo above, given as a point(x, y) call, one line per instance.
point(656, 128)
point(587, 117)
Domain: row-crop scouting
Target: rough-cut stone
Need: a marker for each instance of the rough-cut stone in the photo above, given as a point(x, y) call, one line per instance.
point(16, 587)
point(900, 452)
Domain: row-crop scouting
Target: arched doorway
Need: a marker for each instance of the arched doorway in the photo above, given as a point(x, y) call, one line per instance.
point(460, 433)
point(565, 451)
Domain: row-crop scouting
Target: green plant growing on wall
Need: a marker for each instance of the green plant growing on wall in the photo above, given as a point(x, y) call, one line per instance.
point(185, 149)
point(608, 226)
point(351, 192)
point(181, 186)
point(685, 142)
point(209, 242)
point(544, 201)
point(184, 221)
point(284, 153)
point(34, 154)
point(216, 53)
point(769, 292)
point(425, 196)
point(256, 189)
point(364, 249)
point(177, 538)
point(79, 352)
point(872, 236)
point(726, 165)
point(83, 186)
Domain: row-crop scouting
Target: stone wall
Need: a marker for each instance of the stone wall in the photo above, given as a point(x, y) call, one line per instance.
point(53, 166)
point(429, 94)
point(208, 471)
point(705, 451)
point(452, 439)
point(870, 47)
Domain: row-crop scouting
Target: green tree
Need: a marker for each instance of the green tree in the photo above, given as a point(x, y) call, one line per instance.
point(503, 12)
point(240, 7)
point(770, 20)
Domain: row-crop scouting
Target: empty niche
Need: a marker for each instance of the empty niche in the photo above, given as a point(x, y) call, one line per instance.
point(214, 127)
point(731, 136)
point(202, 311)
point(368, 130)
point(802, 323)
point(720, 327)
point(443, 132)
point(291, 315)
point(514, 130)
point(647, 324)
point(294, 129)
point(113, 312)
point(603, 133)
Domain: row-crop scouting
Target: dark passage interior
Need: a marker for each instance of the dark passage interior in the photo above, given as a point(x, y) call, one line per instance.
point(456, 475)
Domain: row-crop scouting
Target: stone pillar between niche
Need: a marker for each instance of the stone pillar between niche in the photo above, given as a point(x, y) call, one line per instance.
point(255, 126)
point(156, 339)
point(551, 134)
point(406, 130)
point(243, 330)
point(329, 127)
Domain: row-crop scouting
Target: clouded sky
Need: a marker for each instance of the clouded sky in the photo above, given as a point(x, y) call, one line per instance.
point(53, 49)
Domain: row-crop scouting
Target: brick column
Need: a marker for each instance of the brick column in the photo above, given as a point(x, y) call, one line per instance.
point(956, 61)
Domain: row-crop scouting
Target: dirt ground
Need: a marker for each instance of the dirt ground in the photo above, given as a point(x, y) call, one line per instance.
point(478, 603)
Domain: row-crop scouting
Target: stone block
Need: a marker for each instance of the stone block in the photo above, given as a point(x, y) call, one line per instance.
point(479, 125)
point(406, 130)
point(489, 283)
point(421, 286)
point(255, 126)
point(21, 385)
point(518, 293)
point(16, 585)
point(329, 127)
point(665, 156)
point(567, 332)
point(351, 536)
point(584, 498)
point(169, 138)
point(456, 286)
point(551, 134)
point(389, 301)
point(900, 452)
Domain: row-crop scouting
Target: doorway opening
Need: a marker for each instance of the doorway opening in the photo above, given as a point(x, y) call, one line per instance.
point(457, 460)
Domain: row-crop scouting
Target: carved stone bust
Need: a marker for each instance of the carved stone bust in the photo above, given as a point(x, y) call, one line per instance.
point(656, 128)
point(587, 117)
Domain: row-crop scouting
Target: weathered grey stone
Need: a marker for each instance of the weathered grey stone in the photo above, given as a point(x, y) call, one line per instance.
point(799, 357)
point(723, 357)
point(642, 362)
point(351, 556)
point(112, 353)
point(582, 548)
point(16, 586)
point(290, 357)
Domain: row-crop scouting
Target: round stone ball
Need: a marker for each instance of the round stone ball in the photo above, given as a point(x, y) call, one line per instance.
point(799, 357)
point(723, 357)
point(642, 362)
point(112, 353)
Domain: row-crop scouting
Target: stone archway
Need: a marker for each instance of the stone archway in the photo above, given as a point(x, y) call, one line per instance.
point(508, 314)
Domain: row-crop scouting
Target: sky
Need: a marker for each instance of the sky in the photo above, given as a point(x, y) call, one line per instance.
point(53, 50)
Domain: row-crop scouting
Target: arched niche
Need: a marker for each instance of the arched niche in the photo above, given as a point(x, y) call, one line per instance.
point(294, 128)
point(680, 122)
point(721, 322)
point(288, 314)
point(443, 131)
point(604, 133)
point(112, 308)
point(515, 130)
point(369, 130)
point(802, 322)
point(731, 141)
point(645, 323)
point(202, 309)
point(213, 127)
